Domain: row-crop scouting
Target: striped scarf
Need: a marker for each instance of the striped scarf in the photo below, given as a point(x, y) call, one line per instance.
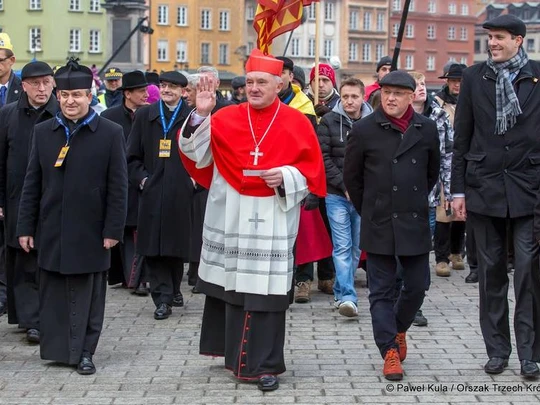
point(508, 107)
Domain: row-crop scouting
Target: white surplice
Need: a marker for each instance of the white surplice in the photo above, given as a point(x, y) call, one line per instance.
point(247, 241)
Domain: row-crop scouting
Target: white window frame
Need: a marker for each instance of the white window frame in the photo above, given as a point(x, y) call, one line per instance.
point(431, 31)
point(296, 47)
point(207, 61)
point(94, 37)
point(35, 5)
point(75, 5)
point(32, 32)
point(409, 31)
point(409, 62)
point(353, 52)
point(329, 11)
point(181, 51)
point(182, 16)
point(310, 10)
point(463, 60)
point(366, 52)
point(225, 21)
point(463, 34)
point(250, 12)
point(224, 54)
point(367, 20)
point(162, 14)
point(430, 63)
point(353, 20)
point(381, 18)
point(95, 6)
point(1, 5)
point(328, 48)
point(432, 7)
point(312, 47)
point(396, 5)
point(452, 9)
point(379, 51)
point(206, 19)
point(395, 30)
point(464, 9)
point(162, 49)
point(451, 32)
point(75, 40)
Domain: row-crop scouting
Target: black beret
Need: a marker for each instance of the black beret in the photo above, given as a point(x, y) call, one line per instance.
point(398, 78)
point(73, 76)
point(36, 69)
point(507, 22)
point(385, 60)
point(238, 81)
point(174, 77)
point(287, 63)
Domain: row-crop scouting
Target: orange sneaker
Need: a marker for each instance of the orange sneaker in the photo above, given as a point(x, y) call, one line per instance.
point(402, 345)
point(392, 366)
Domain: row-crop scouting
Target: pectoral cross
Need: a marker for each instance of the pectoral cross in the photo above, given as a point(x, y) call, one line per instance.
point(256, 155)
point(256, 220)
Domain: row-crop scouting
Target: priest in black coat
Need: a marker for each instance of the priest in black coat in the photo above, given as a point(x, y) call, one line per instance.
point(17, 121)
point(73, 209)
point(164, 224)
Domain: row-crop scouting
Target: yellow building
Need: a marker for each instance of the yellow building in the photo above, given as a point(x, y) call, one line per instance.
point(192, 33)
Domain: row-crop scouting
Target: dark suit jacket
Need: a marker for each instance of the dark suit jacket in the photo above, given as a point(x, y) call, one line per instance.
point(14, 88)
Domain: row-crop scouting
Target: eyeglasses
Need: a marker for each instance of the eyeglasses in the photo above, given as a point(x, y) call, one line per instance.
point(397, 94)
point(37, 83)
point(4, 59)
point(171, 86)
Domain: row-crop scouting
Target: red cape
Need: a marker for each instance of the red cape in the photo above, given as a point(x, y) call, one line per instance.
point(291, 141)
point(370, 89)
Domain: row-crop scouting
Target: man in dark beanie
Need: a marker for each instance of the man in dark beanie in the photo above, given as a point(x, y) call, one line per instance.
point(495, 172)
point(238, 85)
point(391, 164)
point(299, 77)
point(373, 91)
point(17, 121)
point(73, 210)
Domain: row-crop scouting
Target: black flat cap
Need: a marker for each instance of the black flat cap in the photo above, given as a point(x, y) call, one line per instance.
point(455, 71)
point(385, 60)
point(237, 82)
point(133, 80)
point(399, 78)
point(113, 73)
point(287, 63)
point(152, 78)
point(36, 69)
point(507, 22)
point(173, 77)
point(73, 76)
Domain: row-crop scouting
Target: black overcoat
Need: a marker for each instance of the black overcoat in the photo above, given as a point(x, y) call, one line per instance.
point(17, 121)
point(499, 174)
point(123, 117)
point(71, 209)
point(164, 224)
point(15, 89)
point(389, 176)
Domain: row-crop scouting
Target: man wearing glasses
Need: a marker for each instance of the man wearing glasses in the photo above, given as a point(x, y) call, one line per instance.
point(17, 122)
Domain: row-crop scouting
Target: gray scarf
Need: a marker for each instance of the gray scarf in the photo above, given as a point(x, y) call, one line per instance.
point(508, 107)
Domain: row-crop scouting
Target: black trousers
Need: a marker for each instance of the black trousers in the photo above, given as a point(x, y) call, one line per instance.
point(470, 243)
point(491, 246)
point(165, 275)
point(448, 239)
point(23, 288)
point(3, 276)
point(388, 314)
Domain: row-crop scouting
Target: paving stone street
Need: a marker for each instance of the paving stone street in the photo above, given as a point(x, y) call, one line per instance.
point(330, 359)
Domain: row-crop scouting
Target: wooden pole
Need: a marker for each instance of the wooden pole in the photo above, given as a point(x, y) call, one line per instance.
point(315, 86)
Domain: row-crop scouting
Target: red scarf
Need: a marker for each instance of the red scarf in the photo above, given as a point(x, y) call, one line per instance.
point(403, 122)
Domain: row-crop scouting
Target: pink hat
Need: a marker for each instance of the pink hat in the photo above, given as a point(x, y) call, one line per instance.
point(324, 70)
point(153, 93)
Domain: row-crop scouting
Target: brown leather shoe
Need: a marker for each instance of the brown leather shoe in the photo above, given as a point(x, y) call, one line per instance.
point(457, 261)
point(303, 292)
point(442, 269)
point(326, 286)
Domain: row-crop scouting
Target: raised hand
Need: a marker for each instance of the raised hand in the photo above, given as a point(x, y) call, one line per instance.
point(206, 96)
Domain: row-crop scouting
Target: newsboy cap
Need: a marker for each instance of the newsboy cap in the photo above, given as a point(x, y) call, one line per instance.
point(399, 78)
point(507, 22)
point(36, 69)
point(237, 82)
point(385, 61)
point(174, 77)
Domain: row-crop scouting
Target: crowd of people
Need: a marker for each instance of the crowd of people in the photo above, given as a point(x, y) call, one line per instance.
point(255, 192)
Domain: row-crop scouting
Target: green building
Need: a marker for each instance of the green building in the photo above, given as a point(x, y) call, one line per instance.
point(53, 30)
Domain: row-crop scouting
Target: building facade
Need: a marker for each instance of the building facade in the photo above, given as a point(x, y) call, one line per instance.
point(53, 30)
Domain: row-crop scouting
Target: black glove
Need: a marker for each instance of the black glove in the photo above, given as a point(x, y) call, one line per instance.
point(321, 109)
point(311, 202)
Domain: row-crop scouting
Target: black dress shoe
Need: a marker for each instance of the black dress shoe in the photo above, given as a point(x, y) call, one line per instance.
point(86, 366)
point(194, 290)
point(142, 290)
point(268, 382)
point(529, 369)
point(472, 278)
point(163, 311)
point(178, 300)
point(495, 365)
point(420, 319)
point(32, 335)
point(3, 308)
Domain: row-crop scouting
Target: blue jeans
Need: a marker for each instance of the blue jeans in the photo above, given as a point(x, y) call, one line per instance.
point(345, 226)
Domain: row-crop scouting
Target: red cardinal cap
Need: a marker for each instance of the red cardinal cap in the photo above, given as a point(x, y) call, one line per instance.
point(259, 62)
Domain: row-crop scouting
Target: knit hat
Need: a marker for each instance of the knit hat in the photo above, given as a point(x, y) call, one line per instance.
point(385, 61)
point(324, 70)
point(299, 75)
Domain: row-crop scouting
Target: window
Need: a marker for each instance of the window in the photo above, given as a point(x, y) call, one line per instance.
point(163, 15)
point(224, 20)
point(431, 32)
point(295, 47)
point(451, 32)
point(379, 51)
point(411, 5)
point(530, 45)
point(367, 21)
point(463, 33)
point(380, 21)
point(430, 63)
point(328, 10)
point(396, 5)
point(205, 53)
point(162, 50)
point(223, 54)
point(95, 6)
point(353, 20)
point(95, 41)
point(395, 29)
point(75, 40)
point(328, 47)
point(452, 9)
point(250, 12)
point(1, 5)
point(409, 62)
point(35, 5)
point(353, 51)
point(409, 31)
point(206, 19)
point(432, 7)
point(181, 17)
point(75, 5)
point(463, 60)
point(366, 52)
point(181, 51)
point(250, 47)
point(477, 46)
point(464, 9)
point(310, 12)
point(35, 39)
point(311, 47)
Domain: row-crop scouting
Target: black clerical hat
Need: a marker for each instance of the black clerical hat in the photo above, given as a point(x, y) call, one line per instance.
point(173, 77)
point(507, 22)
point(73, 76)
point(133, 80)
point(152, 78)
point(398, 78)
point(36, 69)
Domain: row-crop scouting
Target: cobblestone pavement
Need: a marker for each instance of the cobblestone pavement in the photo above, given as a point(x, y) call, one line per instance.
point(330, 359)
